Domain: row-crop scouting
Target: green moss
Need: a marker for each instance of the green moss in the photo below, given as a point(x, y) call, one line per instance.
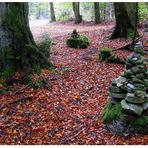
point(27, 80)
point(140, 121)
point(79, 41)
point(130, 33)
point(112, 112)
point(40, 83)
point(104, 53)
point(115, 59)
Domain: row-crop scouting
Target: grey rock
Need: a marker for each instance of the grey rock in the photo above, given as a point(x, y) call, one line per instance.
point(135, 80)
point(145, 106)
point(111, 100)
point(136, 70)
point(115, 89)
point(119, 80)
point(130, 97)
point(116, 127)
point(140, 93)
point(131, 86)
point(131, 108)
point(118, 95)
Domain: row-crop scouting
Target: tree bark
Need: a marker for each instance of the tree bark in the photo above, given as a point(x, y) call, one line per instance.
point(18, 51)
point(97, 13)
point(52, 13)
point(125, 19)
point(76, 9)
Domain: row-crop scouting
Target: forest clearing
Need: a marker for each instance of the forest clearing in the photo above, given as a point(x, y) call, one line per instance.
point(63, 103)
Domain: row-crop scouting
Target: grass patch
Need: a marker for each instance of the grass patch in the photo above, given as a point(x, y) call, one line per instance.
point(112, 112)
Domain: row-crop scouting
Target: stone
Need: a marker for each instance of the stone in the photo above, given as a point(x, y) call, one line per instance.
point(120, 80)
point(116, 127)
point(145, 106)
point(119, 85)
point(139, 85)
point(128, 73)
point(130, 87)
point(118, 95)
point(111, 100)
point(115, 89)
point(135, 80)
point(136, 70)
point(140, 93)
point(139, 76)
point(130, 97)
point(131, 108)
point(146, 97)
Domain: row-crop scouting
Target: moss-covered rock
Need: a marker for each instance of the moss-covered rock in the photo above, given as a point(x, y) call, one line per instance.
point(77, 40)
point(114, 111)
point(106, 54)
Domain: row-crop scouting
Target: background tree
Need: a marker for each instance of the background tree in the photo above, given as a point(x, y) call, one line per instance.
point(108, 12)
point(18, 51)
point(52, 13)
point(97, 13)
point(125, 14)
point(76, 9)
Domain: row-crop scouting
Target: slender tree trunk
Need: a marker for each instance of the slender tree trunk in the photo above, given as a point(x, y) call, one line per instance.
point(52, 13)
point(18, 51)
point(108, 12)
point(97, 13)
point(76, 9)
point(125, 18)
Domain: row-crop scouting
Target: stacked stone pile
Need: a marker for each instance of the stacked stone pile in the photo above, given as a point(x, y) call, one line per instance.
point(131, 88)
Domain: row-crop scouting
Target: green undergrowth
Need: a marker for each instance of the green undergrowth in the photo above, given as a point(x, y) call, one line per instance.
point(143, 120)
point(106, 55)
point(112, 112)
point(35, 84)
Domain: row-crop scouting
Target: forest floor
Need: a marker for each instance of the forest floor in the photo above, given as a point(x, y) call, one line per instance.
point(70, 112)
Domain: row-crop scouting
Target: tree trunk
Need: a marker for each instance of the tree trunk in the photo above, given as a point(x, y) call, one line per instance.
point(52, 13)
point(18, 51)
point(76, 9)
point(125, 15)
point(97, 13)
point(108, 12)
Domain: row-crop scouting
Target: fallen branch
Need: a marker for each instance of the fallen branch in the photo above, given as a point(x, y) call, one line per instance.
point(15, 101)
point(128, 45)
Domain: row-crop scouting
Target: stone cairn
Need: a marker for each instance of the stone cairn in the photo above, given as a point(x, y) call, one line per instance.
point(131, 87)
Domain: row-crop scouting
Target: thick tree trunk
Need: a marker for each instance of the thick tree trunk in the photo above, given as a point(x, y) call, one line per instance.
point(97, 13)
point(18, 51)
point(125, 20)
point(52, 13)
point(76, 9)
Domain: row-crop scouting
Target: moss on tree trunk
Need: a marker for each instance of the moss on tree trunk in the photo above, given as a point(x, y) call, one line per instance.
point(21, 53)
